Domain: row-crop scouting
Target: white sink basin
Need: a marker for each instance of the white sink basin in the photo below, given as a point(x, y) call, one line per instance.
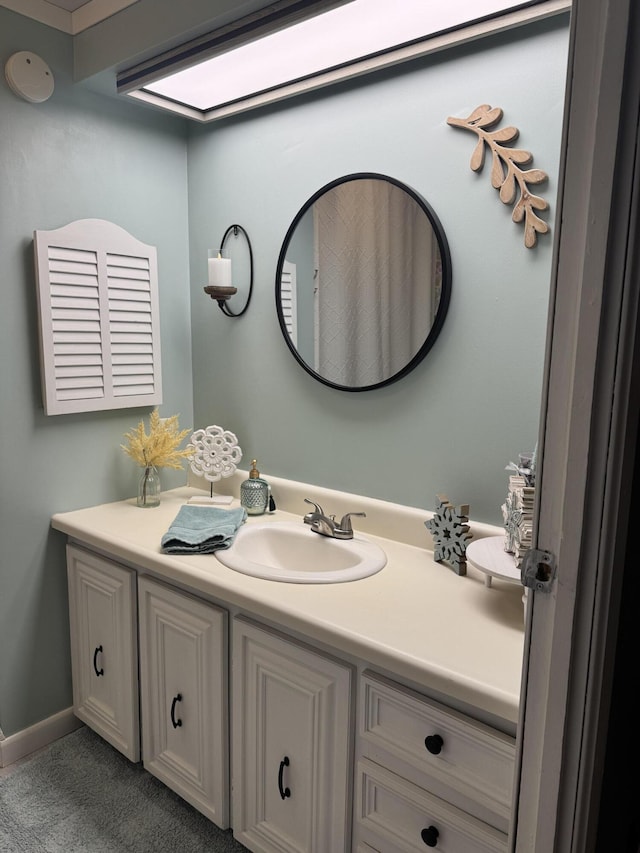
point(292, 552)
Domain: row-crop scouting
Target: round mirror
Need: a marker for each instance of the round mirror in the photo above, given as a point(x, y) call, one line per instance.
point(363, 282)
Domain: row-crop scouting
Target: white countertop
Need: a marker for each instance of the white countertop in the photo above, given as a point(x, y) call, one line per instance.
point(416, 618)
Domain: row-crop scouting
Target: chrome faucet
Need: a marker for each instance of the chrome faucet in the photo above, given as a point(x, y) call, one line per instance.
point(312, 517)
point(327, 525)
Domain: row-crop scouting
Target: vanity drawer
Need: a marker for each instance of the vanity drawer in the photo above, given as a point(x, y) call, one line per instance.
point(439, 749)
point(395, 816)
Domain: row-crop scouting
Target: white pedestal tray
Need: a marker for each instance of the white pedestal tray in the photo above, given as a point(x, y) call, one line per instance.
point(488, 556)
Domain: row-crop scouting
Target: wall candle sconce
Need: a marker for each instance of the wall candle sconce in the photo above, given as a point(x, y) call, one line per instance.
point(220, 287)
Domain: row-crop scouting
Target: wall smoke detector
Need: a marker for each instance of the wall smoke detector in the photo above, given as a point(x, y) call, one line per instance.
point(29, 77)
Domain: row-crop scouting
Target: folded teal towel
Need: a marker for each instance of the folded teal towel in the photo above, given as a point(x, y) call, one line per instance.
point(202, 529)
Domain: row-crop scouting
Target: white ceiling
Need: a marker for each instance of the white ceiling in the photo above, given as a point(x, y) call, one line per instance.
point(70, 16)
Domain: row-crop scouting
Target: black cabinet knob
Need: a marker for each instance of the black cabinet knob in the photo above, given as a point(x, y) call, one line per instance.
point(434, 744)
point(430, 836)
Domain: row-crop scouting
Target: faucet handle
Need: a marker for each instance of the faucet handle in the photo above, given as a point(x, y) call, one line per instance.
point(310, 517)
point(345, 522)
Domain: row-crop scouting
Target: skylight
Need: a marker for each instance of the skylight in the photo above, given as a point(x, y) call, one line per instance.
point(355, 37)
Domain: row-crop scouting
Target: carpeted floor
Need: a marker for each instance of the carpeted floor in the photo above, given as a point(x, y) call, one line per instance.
point(80, 795)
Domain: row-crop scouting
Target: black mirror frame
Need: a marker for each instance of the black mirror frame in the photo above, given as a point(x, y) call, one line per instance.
point(445, 294)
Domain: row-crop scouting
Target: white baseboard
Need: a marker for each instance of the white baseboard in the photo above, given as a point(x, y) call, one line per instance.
point(17, 746)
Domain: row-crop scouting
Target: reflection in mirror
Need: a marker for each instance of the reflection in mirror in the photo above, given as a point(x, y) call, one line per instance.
point(363, 282)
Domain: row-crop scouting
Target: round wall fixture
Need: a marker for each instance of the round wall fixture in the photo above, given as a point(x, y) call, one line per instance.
point(29, 77)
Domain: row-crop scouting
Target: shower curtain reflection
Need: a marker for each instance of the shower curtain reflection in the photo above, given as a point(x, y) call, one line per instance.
point(376, 237)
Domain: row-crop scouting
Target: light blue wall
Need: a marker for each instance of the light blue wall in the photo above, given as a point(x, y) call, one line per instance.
point(77, 155)
point(454, 423)
point(450, 426)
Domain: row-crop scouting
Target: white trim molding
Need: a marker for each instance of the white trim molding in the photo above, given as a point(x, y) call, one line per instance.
point(588, 443)
point(86, 15)
point(23, 743)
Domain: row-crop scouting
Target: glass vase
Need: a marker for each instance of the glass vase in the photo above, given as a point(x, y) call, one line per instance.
point(149, 487)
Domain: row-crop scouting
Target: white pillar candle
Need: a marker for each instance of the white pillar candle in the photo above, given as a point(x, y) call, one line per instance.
point(220, 272)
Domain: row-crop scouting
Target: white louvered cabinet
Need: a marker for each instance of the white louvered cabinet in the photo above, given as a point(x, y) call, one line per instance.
point(99, 318)
point(104, 648)
point(183, 696)
point(428, 776)
point(291, 745)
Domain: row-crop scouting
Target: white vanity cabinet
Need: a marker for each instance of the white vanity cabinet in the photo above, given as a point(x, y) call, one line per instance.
point(104, 648)
point(292, 751)
point(184, 696)
point(299, 716)
point(428, 776)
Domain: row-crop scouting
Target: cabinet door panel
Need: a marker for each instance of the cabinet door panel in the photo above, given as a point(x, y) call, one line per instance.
point(472, 766)
point(291, 745)
point(395, 816)
point(176, 711)
point(104, 648)
point(183, 678)
point(287, 710)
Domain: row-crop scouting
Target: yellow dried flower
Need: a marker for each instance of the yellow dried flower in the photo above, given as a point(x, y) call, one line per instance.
point(160, 446)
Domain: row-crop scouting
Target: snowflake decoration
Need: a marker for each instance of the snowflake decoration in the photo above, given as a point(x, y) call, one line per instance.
point(450, 534)
point(216, 453)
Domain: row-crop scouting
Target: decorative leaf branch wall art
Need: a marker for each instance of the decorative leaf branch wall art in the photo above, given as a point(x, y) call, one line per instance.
point(507, 174)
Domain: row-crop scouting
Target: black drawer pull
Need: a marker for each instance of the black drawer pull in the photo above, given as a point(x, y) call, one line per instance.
point(430, 836)
point(284, 792)
point(175, 723)
point(434, 744)
point(97, 671)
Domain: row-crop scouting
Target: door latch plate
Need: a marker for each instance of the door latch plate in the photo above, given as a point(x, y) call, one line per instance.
point(538, 570)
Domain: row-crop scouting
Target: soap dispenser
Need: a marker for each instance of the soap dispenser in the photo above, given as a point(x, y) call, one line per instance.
point(255, 493)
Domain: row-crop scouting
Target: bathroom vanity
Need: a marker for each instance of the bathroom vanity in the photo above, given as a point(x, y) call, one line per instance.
point(373, 715)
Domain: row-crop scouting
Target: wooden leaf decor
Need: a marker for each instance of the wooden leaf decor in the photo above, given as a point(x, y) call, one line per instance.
point(507, 172)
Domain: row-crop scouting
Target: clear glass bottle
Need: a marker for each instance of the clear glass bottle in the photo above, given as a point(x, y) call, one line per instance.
point(254, 492)
point(149, 487)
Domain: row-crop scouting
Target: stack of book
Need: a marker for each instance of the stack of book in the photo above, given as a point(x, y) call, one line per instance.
point(517, 512)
